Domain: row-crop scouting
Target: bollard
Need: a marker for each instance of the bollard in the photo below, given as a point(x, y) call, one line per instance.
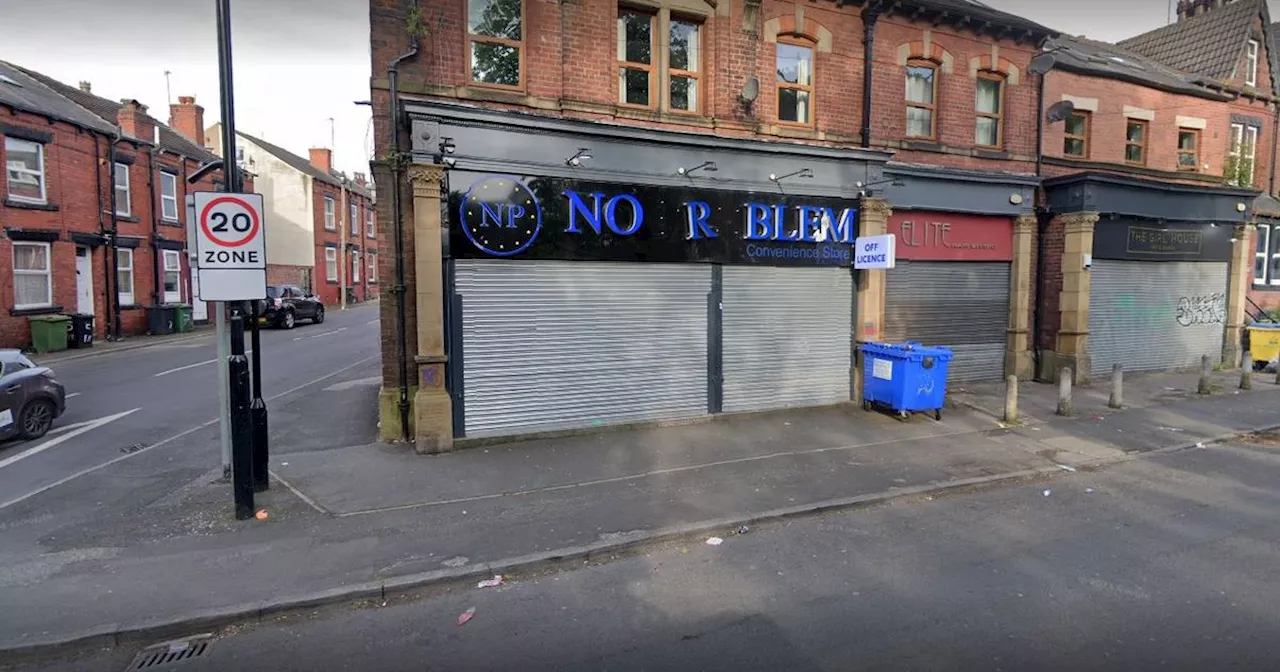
point(1064, 391)
point(1011, 400)
point(1278, 373)
point(241, 422)
point(1206, 372)
point(1246, 371)
point(1117, 386)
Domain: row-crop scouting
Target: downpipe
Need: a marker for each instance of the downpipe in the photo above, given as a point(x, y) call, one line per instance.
point(397, 173)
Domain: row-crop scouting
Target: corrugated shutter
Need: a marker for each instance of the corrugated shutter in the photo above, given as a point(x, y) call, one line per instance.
point(963, 305)
point(1153, 316)
point(554, 345)
point(787, 336)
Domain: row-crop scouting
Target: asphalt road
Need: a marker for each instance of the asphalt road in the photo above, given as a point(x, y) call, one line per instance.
point(1167, 562)
point(122, 401)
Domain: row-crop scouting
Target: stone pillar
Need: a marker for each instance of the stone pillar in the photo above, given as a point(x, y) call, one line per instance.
point(1017, 358)
point(868, 323)
point(1237, 289)
point(432, 408)
point(1072, 349)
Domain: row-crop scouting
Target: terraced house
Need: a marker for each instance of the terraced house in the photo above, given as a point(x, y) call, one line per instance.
point(92, 209)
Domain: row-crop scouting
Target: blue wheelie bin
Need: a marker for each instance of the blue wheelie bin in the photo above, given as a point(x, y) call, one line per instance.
point(906, 377)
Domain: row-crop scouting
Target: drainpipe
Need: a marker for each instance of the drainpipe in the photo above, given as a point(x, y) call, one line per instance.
point(102, 231)
point(870, 16)
point(113, 297)
point(1040, 125)
point(157, 281)
point(343, 245)
point(397, 173)
point(1275, 129)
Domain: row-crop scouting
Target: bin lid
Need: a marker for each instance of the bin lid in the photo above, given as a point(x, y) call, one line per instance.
point(49, 318)
point(1264, 325)
point(909, 351)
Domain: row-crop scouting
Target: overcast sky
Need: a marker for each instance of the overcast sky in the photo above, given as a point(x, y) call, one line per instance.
point(300, 62)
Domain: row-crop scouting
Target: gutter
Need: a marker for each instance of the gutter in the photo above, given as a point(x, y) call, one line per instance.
point(870, 16)
point(397, 223)
point(157, 279)
point(112, 262)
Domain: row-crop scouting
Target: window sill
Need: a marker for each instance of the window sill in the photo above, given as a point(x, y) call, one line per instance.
point(130, 306)
point(1265, 288)
point(170, 222)
point(126, 218)
point(41, 310)
point(29, 205)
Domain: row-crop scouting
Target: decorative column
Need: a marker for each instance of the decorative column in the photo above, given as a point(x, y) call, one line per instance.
point(1237, 289)
point(1073, 332)
point(432, 408)
point(868, 323)
point(1017, 358)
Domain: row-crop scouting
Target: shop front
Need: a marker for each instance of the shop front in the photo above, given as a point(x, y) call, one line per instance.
point(625, 287)
point(1150, 275)
point(963, 276)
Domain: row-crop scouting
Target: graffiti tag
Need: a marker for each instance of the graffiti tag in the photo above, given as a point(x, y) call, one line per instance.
point(1203, 309)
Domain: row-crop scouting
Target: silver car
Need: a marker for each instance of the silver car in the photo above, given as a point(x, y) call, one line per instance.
point(30, 398)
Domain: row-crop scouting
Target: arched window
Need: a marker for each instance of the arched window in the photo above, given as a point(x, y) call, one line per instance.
point(795, 67)
point(922, 99)
point(988, 106)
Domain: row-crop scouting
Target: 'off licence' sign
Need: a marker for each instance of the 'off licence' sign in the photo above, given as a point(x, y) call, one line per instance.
point(875, 252)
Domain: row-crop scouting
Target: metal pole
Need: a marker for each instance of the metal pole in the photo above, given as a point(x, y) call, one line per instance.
point(241, 431)
point(228, 107)
point(224, 383)
point(258, 410)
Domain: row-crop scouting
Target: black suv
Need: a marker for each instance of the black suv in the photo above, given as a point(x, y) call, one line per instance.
point(286, 304)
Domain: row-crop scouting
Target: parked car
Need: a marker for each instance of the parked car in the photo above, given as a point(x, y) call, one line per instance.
point(30, 397)
point(286, 304)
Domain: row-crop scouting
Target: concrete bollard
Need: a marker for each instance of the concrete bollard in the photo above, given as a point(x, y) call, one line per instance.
point(1246, 371)
point(1011, 400)
point(1117, 386)
point(1206, 374)
point(1064, 391)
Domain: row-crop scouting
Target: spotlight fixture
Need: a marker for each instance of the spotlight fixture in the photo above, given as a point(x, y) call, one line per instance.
point(709, 166)
point(578, 158)
point(803, 172)
point(447, 146)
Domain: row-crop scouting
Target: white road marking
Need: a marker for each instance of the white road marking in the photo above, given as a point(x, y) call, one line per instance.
point(329, 333)
point(374, 321)
point(192, 366)
point(351, 384)
point(85, 427)
point(175, 437)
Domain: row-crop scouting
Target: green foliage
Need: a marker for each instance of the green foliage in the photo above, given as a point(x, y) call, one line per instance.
point(415, 22)
point(1237, 172)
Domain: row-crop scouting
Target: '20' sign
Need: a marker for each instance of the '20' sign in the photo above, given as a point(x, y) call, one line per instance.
point(1203, 309)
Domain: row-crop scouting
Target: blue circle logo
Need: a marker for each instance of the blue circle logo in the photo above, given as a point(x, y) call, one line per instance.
point(500, 216)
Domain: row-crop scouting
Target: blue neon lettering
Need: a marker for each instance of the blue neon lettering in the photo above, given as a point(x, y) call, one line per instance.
point(490, 211)
point(780, 224)
point(698, 212)
point(513, 213)
point(809, 223)
point(845, 226)
point(758, 227)
point(611, 214)
point(578, 207)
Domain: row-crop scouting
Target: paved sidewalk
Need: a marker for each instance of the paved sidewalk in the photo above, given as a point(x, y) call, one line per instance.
point(167, 557)
point(104, 347)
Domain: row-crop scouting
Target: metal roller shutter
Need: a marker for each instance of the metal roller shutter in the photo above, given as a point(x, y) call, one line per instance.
point(554, 345)
point(1152, 316)
point(787, 336)
point(963, 305)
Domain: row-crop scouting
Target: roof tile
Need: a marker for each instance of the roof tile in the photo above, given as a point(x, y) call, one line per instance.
point(1210, 44)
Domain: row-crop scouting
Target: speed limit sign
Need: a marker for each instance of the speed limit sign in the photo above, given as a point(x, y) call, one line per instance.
point(231, 251)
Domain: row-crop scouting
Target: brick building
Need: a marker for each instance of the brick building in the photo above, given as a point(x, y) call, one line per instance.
point(1154, 155)
point(321, 226)
point(92, 213)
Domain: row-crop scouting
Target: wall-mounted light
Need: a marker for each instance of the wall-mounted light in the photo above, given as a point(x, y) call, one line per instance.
point(865, 188)
point(709, 166)
point(447, 146)
point(450, 161)
point(578, 158)
point(803, 172)
point(1241, 207)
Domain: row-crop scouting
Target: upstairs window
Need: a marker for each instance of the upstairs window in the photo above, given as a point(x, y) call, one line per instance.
point(122, 189)
point(1075, 139)
point(684, 54)
point(330, 223)
point(635, 58)
point(795, 82)
point(169, 197)
point(989, 105)
point(1135, 142)
point(1241, 155)
point(495, 42)
point(1188, 149)
point(922, 95)
point(1251, 63)
point(24, 165)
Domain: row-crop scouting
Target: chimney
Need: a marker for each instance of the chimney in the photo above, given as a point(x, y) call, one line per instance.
point(322, 158)
point(187, 119)
point(360, 179)
point(86, 86)
point(1190, 8)
point(134, 121)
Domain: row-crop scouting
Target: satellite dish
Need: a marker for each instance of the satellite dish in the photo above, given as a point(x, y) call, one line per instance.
point(1060, 111)
point(750, 90)
point(1042, 63)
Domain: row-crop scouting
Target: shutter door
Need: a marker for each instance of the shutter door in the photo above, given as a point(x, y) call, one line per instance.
point(1154, 316)
point(555, 345)
point(787, 336)
point(963, 305)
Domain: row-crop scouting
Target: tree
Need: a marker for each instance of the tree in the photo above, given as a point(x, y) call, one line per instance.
point(496, 62)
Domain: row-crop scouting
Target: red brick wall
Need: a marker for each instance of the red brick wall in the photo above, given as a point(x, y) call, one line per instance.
point(1050, 317)
point(327, 290)
point(1107, 132)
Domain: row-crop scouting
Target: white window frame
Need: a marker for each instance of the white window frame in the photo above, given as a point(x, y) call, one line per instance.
point(369, 230)
point(172, 264)
point(39, 173)
point(355, 266)
point(122, 204)
point(126, 298)
point(330, 263)
point(355, 220)
point(372, 256)
point(1251, 63)
point(168, 179)
point(1244, 136)
point(1262, 233)
point(330, 219)
point(47, 273)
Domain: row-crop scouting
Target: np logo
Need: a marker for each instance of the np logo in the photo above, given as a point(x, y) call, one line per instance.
point(501, 216)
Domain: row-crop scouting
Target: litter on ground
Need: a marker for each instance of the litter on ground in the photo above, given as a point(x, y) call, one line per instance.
point(1088, 491)
point(1048, 492)
point(714, 541)
point(465, 616)
point(491, 583)
point(261, 514)
point(1200, 444)
point(1067, 467)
